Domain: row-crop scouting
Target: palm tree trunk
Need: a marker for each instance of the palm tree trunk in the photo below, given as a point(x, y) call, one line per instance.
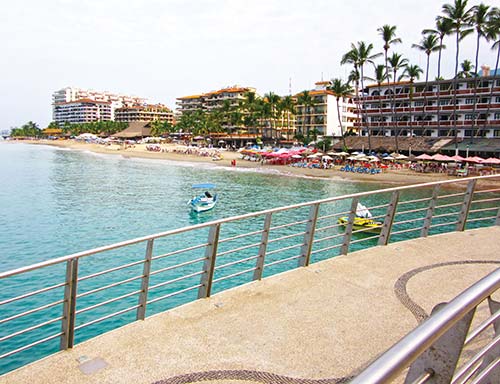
point(439, 85)
point(475, 91)
point(455, 84)
point(491, 88)
point(364, 110)
point(340, 123)
point(393, 107)
point(425, 90)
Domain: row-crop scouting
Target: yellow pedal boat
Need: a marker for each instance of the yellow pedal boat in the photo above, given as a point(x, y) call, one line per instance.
point(360, 223)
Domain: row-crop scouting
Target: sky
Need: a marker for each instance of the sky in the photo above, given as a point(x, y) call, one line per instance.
point(163, 49)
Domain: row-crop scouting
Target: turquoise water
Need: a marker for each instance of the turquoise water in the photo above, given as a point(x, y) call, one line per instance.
point(56, 202)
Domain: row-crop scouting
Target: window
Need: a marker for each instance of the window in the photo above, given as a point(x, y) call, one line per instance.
point(469, 101)
point(496, 133)
point(444, 102)
point(419, 103)
point(469, 116)
point(497, 116)
point(497, 99)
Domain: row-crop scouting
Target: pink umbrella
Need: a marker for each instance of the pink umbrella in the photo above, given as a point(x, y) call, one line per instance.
point(475, 159)
point(438, 157)
point(458, 158)
point(424, 156)
point(491, 160)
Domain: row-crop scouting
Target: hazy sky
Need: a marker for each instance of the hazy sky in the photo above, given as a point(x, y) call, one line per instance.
point(163, 49)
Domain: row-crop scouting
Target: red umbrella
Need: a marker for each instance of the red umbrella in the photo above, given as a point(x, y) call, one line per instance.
point(458, 158)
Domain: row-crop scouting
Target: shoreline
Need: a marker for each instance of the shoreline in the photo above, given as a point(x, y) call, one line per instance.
point(390, 176)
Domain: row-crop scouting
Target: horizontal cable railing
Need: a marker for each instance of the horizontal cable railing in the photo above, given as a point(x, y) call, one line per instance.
point(157, 272)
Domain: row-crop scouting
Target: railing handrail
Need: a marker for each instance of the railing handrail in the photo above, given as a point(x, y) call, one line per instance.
point(89, 252)
point(403, 353)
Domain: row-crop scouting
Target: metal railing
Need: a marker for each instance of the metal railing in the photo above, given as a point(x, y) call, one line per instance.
point(83, 294)
point(434, 350)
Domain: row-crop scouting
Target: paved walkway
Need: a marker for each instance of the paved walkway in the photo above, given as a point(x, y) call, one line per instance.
point(318, 324)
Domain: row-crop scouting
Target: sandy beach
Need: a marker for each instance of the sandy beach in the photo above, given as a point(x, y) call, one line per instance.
point(389, 176)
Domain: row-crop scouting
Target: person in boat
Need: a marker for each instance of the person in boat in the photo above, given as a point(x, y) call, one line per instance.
point(208, 195)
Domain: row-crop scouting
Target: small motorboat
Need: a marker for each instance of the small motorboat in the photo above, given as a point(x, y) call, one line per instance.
point(362, 221)
point(204, 201)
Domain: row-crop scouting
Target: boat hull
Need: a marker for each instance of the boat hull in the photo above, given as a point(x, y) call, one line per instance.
point(362, 224)
point(202, 204)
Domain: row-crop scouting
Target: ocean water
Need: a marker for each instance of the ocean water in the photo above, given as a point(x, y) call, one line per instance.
point(54, 202)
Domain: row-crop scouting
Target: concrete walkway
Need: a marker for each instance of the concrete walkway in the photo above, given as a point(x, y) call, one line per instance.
point(325, 321)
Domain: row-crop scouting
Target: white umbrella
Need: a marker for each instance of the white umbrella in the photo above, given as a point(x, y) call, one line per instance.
point(327, 157)
point(388, 158)
point(341, 154)
point(401, 157)
point(374, 159)
point(313, 156)
point(296, 157)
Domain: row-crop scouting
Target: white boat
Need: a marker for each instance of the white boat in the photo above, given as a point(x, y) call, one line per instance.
point(205, 201)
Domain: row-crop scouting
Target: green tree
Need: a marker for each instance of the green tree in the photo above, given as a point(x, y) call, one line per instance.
point(342, 91)
point(467, 70)
point(429, 44)
point(412, 72)
point(460, 17)
point(388, 34)
point(479, 20)
point(397, 63)
point(288, 105)
point(493, 34)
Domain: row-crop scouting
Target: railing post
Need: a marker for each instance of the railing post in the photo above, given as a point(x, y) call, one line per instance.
point(464, 211)
point(385, 233)
point(442, 357)
point(309, 236)
point(348, 230)
point(143, 297)
point(69, 306)
point(497, 221)
point(259, 267)
point(430, 212)
point(209, 264)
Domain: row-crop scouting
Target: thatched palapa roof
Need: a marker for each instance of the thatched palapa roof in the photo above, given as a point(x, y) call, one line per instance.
point(135, 129)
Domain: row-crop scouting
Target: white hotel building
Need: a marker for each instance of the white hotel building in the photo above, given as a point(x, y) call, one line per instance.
point(76, 105)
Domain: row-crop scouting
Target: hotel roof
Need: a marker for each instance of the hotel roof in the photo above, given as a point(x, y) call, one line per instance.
point(83, 101)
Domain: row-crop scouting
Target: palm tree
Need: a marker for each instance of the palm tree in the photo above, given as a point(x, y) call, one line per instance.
point(354, 78)
point(306, 101)
point(493, 34)
point(388, 33)
point(467, 70)
point(459, 16)
point(360, 55)
point(380, 77)
point(273, 100)
point(480, 16)
point(428, 45)
point(397, 62)
point(340, 90)
point(444, 27)
point(288, 105)
point(412, 72)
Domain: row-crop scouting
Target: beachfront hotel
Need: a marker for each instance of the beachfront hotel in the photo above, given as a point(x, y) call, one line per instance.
point(147, 112)
point(321, 115)
point(77, 105)
point(415, 109)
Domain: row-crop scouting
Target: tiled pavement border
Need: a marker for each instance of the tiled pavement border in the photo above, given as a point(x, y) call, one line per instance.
point(271, 378)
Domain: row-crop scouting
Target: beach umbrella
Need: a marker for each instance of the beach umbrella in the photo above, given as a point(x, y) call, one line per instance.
point(326, 157)
point(491, 160)
point(296, 157)
point(332, 153)
point(355, 153)
point(439, 157)
point(474, 159)
point(373, 159)
point(313, 156)
point(401, 157)
point(341, 154)
point(388, 158)
point(458, 158)
point(424, 156)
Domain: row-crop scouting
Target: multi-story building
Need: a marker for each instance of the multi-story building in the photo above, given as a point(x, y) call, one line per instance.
point(321, 116)
point(231, 97)
point(434, 109)
point(77, 97)
point(148, 112)
point(82, 111)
